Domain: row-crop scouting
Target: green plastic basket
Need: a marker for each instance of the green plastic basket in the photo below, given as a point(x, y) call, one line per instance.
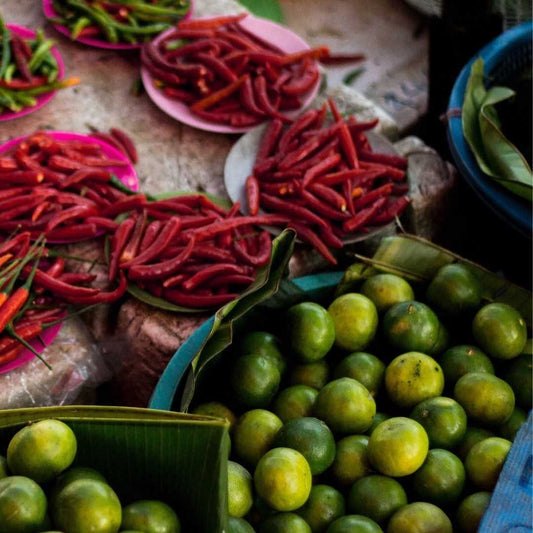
point(145, 454)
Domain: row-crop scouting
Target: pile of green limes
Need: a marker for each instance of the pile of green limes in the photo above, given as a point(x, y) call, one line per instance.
point(379, 413)
point(39, 490)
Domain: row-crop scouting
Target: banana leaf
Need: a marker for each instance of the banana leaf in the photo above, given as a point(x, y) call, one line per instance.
point(267, 9)
point(145, 454)
point(221, 329)
point(495, 154)
point(418, 260)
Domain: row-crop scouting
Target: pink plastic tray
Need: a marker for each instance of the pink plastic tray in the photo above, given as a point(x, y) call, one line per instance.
point(269, 31)
point(43, 99)
point(50, 12)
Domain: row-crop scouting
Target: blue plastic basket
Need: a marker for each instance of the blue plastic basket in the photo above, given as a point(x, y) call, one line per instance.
point(503, 57)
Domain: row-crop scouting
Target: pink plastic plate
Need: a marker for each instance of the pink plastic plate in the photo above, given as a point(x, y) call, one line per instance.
point(47, 336)
point(265, 29)
point(126, 174)
point(50, 12)
point(43, 99)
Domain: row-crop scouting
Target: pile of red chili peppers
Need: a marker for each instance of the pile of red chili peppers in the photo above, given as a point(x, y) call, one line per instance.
point(226, 74)
point(326, 179)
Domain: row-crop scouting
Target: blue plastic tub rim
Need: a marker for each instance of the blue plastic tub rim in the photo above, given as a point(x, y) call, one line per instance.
point(165, 390)
point(492, 54)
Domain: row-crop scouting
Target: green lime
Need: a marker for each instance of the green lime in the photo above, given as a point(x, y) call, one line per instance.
point(376, 497)
point(151, 516)
point(509, 429)
point(42, 450)
point(443, 341)
point(485, 398)
point(240, 490)
point(454, 290)
point(3, 467)
point(380, 417)
point(254, 434)
point(87, 506)
point(412, 326)
point(419, 517)
point(314, 375)
point(471, 511)
point(295, 402)
point(398, 447)
point(22, 505)
point(325, 504)
point(239, 525)
point(441, 479)
point(283, 479)
point(284, 523)
point(443, 419)
point(472, 436)
point(216, 409)
point(356, 321)
point(312, 438)
point(500, 330)
point(485, 461)
point(254, 380)
point(461, 360)
point(354, 524)
point(413, 377)
point(263, 343)
point(311, 331)
point(351, 460)
point(386, 290)
point(73, 474)
point(364, 367)
point(519, 375)
point(345, 406)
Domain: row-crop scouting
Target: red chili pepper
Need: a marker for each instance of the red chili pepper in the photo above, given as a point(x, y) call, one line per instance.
point(12, 243)
point(165, 237)
point(102, 297)
point(217, 66)
point(86, 174)
point(196, 301)
point(243, 120)
point(210, 23)
point(330, 239)
point(160, 73)
point(212, 253)
point(237, 41)
point(252, 194)
point(70, 214)
point(370, 196)
point(334, 110)
point(18, 49)
point(280, 188)
point(291, 209)
point(302, 82)
point(191, 48)
point(119, 240)
point(104, 223)
point(7, 163)
point(10, 355)
point(348, 196)
point(189, 71)
point(327, 164)
point(75, 233)
point(73, 278)
point(22, 177)
point(307, 235)
point(297, 127)
point(270, 139)
point(195, 221)
point(150, 234)
point(185, 35)
point(178, 94)
point(336, 178)
point(247, 99)
point(260, 259)
point(339, 59)
point(57, 268)
point(229, 279)
point(390, 172)
point(88, 161)
point(260, 91)
point(322, 208)
point(399, 189)
point(26, 332)
point(357, 127)
point(256, 39)
point(384, 159)
point(327, 150)
point(174, 280)
point(314, 53)
point(23, 85)
point(136, 201)
point(393, 210)
point(347, 146)
point(209, 272)
point(282, 175)
point(39, 210)
point(217, 96)
point(28, 205)
point(329, 195)
point(131, 249)
point(364, 216)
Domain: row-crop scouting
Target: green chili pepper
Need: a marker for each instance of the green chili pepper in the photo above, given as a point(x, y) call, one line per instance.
point(174, 45)
point(78, 27)
point(10, 70)
point(100, 17)
point(39, 54)
point(7, 100)
point(55, 85)
point(6, 48)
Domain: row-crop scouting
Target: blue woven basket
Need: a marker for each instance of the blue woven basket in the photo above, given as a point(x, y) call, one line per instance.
point(503, 57)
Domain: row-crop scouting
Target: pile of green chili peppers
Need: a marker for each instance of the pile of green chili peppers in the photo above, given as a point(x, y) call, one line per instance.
point(124, 21)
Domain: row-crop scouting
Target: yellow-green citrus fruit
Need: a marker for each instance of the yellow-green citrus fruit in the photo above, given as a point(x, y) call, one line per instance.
point(254, 434)
point(471, 511)
point(380, 417)
point(150, 516)
point(454, 290)
point(283, 479)
point(314, 375)
point(363, 367)
point(42, 450)
point(345, 406)
point(239, 525)
point(419, 517)
point(398, 447)
point(351, 460)
point(240, 490)
point(500, 330)
point(472, 436)
point(73, 474)
point(460, 360)
point(485, 461)
point(311, 331)
point(413, 377)
point(254, 380)
point(356, 321)
point(22, 505)
point(485, 398)
point(87, 506)
point(510, 428)
point(386, 290)
point(377, 497)
point(284, 523)
point(354, 524)
point(263, 343)
point(216, 409)
point(519, 375)
point(312, 438)
point(325, 504)
point(295, 402)
point(441, 479)
point(3, 467)
point(443, 419)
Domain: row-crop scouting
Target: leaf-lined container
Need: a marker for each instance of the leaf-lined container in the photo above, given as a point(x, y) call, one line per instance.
point(209, 348)
point(145, 454)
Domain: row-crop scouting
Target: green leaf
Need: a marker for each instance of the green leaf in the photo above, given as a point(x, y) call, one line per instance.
point(268, 9)
point(353, 75)
point(494, 153)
